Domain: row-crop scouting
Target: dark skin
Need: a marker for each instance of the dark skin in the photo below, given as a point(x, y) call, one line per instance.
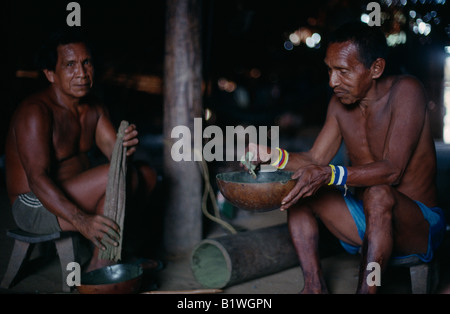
point(384, 124)
point(49, 138)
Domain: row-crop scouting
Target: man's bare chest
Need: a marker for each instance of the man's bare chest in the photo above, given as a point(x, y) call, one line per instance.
point(72, 134)
point(365, 136)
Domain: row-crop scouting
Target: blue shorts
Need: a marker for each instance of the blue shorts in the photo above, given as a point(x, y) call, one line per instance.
point(434, 216)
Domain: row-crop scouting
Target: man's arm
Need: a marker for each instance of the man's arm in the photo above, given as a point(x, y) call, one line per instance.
point(325, 146)
point(311, 168)
point(105, 135)
point(406, 123)
point(33, 134)
point(322, 152)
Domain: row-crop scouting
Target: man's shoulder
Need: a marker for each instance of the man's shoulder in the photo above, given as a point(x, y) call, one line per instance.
point(33, 106)
point(408, 93)
point(406, 97)
point(405, 81)
point(37, 99)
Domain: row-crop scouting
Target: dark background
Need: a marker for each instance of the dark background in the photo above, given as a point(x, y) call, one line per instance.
point(242, 43)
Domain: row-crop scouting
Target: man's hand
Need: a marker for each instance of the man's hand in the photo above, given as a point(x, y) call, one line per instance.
point(260, 155)
point(310, 179)
point(98, 229)
point(130, 139)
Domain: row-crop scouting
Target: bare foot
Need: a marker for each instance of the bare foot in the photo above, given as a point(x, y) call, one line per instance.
point(315, 287)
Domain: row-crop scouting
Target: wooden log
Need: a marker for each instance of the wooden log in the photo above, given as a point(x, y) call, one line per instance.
point(229, 260)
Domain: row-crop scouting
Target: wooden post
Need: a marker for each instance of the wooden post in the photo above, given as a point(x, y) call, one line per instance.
point(182, 103)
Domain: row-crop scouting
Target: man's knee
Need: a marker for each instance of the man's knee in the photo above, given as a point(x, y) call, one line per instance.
point(147, 175)
point(143, 178)
point(316, 205)
point(379, 201)
point(297, 211)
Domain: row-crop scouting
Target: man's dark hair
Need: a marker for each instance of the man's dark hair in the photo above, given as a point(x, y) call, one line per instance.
point(369, 40)
point(47, 55)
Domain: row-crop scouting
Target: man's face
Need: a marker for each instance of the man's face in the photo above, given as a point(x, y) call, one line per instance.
point(348, 77)
point(74, 72)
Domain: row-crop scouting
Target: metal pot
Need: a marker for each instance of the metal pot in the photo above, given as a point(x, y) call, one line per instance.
point(261, 194)
point(114, 279)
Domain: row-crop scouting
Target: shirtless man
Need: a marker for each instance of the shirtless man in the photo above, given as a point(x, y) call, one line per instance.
point(50, 184)
point(385, 126)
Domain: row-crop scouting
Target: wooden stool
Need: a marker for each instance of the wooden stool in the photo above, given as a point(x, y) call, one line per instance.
point(23, 244)
point(424, 276)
